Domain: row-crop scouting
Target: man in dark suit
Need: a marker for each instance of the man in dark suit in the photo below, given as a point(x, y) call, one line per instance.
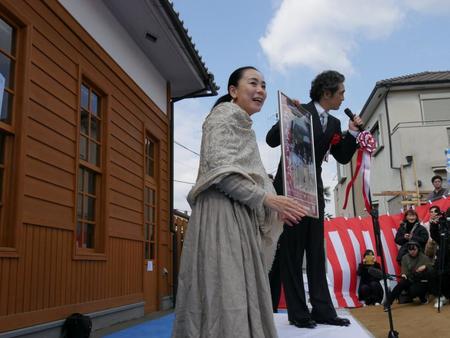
point(327, 93)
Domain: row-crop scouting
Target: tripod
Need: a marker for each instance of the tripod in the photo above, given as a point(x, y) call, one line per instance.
point(376, 229)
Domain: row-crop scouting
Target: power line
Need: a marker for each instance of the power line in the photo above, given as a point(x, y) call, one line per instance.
point(183, 146)
point(191, 183)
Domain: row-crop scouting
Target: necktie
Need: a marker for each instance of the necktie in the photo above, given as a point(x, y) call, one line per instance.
point(323, 120)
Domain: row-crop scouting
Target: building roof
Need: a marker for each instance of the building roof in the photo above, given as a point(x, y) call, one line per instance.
point(423, 77)
point(157, 29)
point(421, 80)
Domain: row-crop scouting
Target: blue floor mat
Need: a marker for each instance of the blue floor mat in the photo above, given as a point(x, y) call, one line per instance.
point(157, 328)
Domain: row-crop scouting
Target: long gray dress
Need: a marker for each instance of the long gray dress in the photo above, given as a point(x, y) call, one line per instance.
point(223, 289)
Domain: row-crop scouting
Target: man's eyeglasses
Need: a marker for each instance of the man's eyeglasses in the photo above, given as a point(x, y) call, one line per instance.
point(412, 248)
point(433, 212)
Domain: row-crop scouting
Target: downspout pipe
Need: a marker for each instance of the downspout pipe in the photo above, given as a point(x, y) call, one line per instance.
point(171, 218)
point(391, 155)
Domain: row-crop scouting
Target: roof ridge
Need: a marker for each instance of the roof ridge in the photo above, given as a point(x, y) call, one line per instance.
point(424, 76)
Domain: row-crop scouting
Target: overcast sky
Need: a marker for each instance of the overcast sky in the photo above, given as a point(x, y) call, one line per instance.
point(290, 41)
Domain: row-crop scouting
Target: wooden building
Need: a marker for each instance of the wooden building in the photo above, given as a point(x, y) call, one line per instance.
point(86, 134)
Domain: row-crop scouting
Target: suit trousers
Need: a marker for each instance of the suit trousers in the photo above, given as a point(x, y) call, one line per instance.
point(307, 236)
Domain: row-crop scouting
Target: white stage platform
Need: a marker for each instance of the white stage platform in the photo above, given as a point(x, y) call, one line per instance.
point(323, 331)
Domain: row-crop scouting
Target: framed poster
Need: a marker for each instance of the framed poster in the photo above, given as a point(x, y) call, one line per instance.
point(297, 149)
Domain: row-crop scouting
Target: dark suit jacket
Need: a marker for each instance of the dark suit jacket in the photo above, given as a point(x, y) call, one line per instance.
point(342, 152)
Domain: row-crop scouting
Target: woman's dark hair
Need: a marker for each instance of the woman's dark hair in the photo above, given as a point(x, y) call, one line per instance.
point(233, 81)
point(410, 212)
point(327, 80)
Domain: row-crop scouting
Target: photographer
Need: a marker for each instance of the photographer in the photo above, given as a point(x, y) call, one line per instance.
point(439, 232)
point(416, 270)
point(370, 291)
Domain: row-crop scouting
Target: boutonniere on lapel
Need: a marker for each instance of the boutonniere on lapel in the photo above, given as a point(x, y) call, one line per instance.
point(334, 140)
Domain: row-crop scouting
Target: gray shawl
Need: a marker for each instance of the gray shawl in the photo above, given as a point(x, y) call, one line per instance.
point(229, 147)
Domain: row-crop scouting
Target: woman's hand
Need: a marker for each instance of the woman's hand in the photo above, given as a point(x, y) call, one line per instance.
point(289, 210)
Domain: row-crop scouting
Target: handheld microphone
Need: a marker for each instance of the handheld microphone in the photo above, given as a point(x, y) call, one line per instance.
point(351, 116)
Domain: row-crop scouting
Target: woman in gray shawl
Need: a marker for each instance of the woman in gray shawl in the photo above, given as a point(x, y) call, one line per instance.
point(223, 289)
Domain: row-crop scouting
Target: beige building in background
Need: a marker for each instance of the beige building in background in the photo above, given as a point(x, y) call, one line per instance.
point(410, 118)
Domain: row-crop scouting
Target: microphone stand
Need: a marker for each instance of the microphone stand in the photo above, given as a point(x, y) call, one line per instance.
point(376, 229)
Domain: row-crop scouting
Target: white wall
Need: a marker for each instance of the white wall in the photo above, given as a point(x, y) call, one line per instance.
point(100, 23)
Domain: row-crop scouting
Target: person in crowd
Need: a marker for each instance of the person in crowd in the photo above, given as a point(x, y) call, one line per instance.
point(438, 190)
point(223, 288)
point(369, 291)
point(416, 270)
point(439, 232)
point(410, 230)
point(327, 94)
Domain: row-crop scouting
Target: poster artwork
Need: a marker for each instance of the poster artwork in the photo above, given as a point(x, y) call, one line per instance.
point(297, 148)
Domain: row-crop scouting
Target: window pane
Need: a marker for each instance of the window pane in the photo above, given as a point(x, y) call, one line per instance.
point(5, 114)
point(147, 251)
point(435, 110)
point(94, 153)
point(149, 155)
point(83, 148)
point(146, 213)
point(95, 104)
point(147, 195)
point(95, 129)
point(90, 182)
point(147, 166)
point(84, 97)
point(150, 169)
point(151, 232)
point(151, 199)
point(7, 70)
point(90, 213)
point(6, 37)
point(152, 251)
point(151, 149)
point(84, 122)
point(80, 206)
point(150, 215)
point(90, 228)
point(146, 232)
point(80, 180)
point(79, 234)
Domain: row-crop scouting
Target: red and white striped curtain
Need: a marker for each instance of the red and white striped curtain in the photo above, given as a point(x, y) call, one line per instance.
point(346, 241)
